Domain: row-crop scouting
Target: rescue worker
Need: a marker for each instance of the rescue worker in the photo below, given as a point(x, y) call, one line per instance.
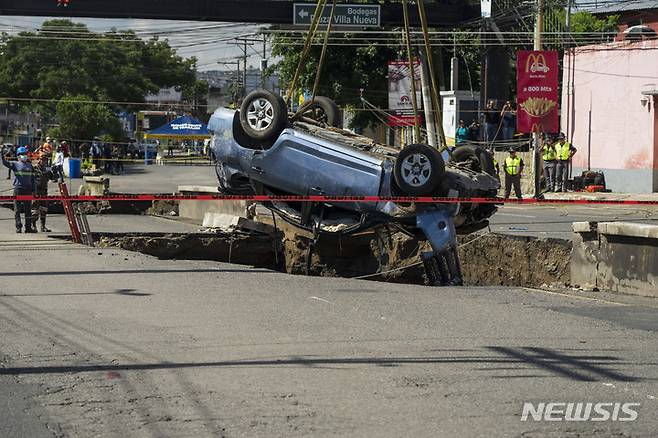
point(513, 168)
point(40, 208)
point(23, 185)
point(564, 151)
point(45, 150)
point(549, 156)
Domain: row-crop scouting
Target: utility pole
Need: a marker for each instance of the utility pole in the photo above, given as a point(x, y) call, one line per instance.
point(427, 104)
point(536, 136)
point(412, 70)
point(263, 62)
point(244, 42)
point(568, 56)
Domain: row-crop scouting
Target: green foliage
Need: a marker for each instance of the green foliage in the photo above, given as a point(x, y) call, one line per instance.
point(79, 118)
point(65, 59)
point(197, 94)
point(584, 22)
point(346, 70)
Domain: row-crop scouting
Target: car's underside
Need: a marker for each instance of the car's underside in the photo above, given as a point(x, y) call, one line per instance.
point(241, 163)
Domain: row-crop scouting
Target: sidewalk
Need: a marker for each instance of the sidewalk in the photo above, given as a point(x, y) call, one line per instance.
point(603, 196)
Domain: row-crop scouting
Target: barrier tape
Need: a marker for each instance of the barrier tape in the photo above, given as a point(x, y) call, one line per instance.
point(319, 198)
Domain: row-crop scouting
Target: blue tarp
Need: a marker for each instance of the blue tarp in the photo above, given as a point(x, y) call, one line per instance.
point(183, 128)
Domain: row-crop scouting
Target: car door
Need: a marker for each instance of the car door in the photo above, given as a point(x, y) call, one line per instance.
point(302, 164)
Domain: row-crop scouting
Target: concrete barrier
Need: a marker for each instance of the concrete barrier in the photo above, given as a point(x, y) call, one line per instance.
point(616, 256)
point(196, 210)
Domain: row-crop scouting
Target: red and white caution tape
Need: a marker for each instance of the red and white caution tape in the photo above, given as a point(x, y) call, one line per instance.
point(319, 198)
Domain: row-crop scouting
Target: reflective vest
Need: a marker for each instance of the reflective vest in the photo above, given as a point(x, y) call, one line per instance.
point(563, 151)
point(513, 165)
point(548, 153)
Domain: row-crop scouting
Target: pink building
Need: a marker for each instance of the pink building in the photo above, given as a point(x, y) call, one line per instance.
point(609, 110)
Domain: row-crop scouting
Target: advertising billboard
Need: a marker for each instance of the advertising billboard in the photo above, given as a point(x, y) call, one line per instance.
point(399, 92)
point(537, 91)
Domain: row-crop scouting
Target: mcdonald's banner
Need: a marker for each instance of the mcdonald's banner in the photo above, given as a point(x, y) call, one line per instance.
point(537, 91)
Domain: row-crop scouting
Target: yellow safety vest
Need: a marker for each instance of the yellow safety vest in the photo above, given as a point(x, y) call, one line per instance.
point(513, 165)
point(563, 151)
point(548, 153)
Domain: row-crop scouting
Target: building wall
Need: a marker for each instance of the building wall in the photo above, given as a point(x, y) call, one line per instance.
point(609, 80)
point(634, 18)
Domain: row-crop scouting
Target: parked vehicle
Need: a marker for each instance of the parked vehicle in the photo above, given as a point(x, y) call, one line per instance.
point(139, 148)
point(258, 150)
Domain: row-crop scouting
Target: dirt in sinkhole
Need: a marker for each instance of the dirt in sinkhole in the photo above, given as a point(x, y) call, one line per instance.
point(487, 260)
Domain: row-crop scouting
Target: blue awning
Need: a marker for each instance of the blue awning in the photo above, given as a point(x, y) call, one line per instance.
point(183, 128)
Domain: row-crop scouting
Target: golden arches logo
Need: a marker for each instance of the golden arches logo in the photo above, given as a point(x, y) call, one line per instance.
point(536, 63)
point(537, 127)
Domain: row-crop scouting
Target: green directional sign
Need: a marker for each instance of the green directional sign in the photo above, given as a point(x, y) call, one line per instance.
point(345, 15)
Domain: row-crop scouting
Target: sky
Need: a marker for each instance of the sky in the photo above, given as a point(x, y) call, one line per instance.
point(208, 41)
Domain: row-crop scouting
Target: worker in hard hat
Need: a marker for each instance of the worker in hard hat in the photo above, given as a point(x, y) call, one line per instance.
point(42, 176)
point(513, 169)
point(23, 185)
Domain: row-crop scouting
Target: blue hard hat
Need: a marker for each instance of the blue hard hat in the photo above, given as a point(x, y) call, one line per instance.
point(21, 150)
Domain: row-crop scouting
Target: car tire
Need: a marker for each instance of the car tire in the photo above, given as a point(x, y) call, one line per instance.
point(480, 160)
point(324, 110)
point(263, 115)
point(245, 140)
point(418, 170)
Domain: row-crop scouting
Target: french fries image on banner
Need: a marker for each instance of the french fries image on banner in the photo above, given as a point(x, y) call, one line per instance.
point(538, 106)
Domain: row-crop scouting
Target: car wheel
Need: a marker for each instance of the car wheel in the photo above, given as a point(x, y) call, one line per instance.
point(263, 115)
point(475, 157)
point(325, 110)
point(418, 170)
point(244, 140)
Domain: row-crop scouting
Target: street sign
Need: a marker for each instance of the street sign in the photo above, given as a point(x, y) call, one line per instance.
point(345, 15)
point(485, 6)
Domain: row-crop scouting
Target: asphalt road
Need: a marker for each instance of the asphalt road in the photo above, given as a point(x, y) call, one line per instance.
point(106, 223)
point(555, 220)
point(110, 343)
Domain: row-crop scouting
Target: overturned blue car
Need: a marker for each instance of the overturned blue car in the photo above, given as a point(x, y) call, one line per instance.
point(260, 149)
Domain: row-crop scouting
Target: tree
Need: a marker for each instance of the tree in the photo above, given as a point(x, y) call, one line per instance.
point(81, 119)
point(65, 59)
point(584, 22)
point(346, 70)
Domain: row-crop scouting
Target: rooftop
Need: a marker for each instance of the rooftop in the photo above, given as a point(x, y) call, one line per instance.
point(623, 6)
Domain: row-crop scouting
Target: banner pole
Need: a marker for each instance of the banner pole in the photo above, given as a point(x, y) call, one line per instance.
point(536, 136)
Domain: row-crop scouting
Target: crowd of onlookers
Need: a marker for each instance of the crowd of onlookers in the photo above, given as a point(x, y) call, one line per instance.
point(497, 124)
point(105, 156)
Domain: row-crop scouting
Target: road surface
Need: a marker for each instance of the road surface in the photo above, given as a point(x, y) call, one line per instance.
point(117, 344)
point(555, 220)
